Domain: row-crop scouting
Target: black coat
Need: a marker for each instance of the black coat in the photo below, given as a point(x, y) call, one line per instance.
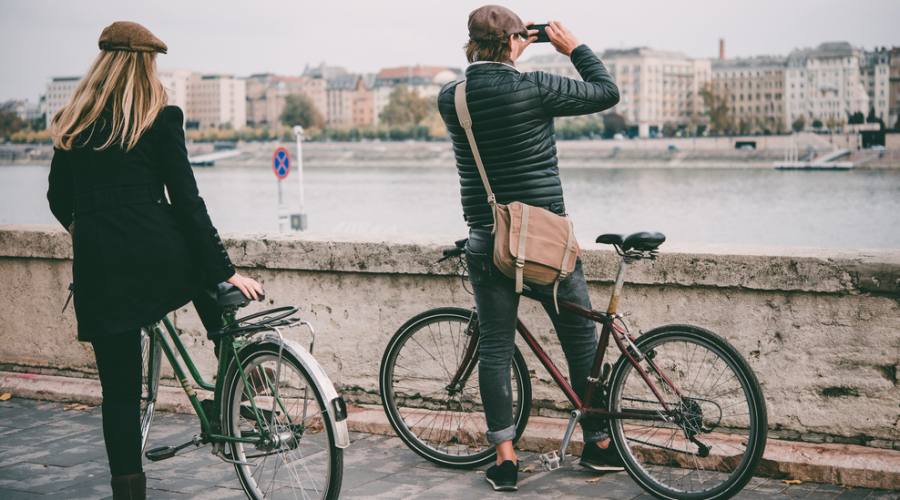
point(136, 255)
point(512, 119)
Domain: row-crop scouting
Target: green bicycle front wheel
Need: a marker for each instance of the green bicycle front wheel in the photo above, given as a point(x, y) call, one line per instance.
point(290, 449)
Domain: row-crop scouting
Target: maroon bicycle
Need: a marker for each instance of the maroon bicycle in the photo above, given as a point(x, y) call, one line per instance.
point(684, 409)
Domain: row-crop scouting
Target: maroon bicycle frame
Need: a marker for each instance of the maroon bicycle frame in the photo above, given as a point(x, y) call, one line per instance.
point(609, 327)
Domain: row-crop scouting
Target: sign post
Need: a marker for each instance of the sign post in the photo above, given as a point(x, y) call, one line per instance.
point(281, 166)
point(299, 221)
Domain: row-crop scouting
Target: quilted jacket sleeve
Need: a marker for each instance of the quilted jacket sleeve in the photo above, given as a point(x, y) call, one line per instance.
point(561, 96)
point(189, 206)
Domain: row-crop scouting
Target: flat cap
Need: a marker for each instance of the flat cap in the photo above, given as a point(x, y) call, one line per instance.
point(131, 37)
point(494, 22)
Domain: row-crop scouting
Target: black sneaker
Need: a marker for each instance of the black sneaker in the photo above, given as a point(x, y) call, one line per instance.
point(601, 459)
point(503, 477)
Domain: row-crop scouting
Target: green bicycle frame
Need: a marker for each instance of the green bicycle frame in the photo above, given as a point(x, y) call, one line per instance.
point(228, 350)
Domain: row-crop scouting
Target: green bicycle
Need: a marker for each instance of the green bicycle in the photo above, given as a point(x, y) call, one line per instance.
point(274, 415)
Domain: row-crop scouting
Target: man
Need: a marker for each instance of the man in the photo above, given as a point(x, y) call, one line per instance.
point(512, 114)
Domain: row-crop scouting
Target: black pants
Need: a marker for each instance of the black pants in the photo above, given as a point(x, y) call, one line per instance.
point(119, 365)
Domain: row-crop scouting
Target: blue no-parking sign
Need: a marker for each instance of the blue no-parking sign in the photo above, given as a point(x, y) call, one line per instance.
point(281, 163)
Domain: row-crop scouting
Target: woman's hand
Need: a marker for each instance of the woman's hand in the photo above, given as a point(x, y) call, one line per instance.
point(562, 39)
point(248, 286)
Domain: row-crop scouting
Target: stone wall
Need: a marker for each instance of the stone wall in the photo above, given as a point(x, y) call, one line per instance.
point(820, 328)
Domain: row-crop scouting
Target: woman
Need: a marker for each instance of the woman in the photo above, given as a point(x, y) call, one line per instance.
point(136, 256)
point(512, 115)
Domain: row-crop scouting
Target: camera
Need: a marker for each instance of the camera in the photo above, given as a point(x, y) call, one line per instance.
point(542, 32)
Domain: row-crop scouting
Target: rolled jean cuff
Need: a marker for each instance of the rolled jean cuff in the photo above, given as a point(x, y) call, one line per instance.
point(497, 437)
point(594, 436)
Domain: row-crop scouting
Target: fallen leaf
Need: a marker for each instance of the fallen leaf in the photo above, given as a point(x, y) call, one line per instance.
point(594, 479)
point(528, 468)
point(6, 396)
point(792, 481)
point(76, 407)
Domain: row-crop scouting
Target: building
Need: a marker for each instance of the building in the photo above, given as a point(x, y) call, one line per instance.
point(27, 111)
point(266, 95)
point(825, 84)
point(424, 81)
point(753, 89)
point(350, 102)
point(176, 83)
point(894, 84)
point(59, 90)
point(656, 87)
point(216, 101)
point(875, 67)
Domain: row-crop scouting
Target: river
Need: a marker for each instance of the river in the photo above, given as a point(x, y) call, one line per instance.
point(692, 206)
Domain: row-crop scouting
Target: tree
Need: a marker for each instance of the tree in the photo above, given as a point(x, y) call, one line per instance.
point(300, 110)
point(717, 110)
point(613, 123)
point(668, 129)
point(799, 124)
point(10, 123)
point(405, 108)
point(856, 118)
point(817, 123)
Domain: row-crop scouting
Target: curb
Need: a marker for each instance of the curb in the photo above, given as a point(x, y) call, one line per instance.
point(842, 464)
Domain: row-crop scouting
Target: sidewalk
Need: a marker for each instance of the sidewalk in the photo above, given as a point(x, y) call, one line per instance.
point(49, 451)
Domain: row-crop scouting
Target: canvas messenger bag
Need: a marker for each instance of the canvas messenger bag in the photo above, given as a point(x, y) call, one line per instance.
point(531, 244)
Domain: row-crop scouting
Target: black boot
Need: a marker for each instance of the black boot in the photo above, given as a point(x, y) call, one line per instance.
point(129, 487)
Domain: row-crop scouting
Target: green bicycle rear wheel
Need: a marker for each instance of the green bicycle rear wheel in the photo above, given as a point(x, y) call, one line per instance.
point(292, 453)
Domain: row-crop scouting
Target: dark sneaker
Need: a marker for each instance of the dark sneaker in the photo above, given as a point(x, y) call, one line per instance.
point(601, 459)
point(503, 477)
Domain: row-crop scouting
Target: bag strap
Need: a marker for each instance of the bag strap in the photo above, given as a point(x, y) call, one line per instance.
point(520, 258)
point(465, 119)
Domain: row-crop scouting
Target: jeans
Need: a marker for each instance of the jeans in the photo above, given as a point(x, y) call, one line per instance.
point(497, 303)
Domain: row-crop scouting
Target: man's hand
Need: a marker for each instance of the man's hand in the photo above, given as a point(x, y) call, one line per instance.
point(562, 39)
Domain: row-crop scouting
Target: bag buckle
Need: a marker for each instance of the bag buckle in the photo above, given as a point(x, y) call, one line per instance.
point(520, 262)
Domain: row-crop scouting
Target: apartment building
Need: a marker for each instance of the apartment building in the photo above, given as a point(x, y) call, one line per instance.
point(875, 68)
point(825, 83)
point(894, 88)
point(216, 101)
point(266, 95)
point(753, 88)
point(350, 102)
point(176, 83)
point(425, 81)
point(59, 90)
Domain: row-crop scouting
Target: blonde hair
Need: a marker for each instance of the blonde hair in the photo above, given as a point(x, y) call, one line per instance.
point(122, 84)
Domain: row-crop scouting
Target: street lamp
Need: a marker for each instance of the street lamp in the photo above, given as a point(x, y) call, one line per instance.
point(299, 221)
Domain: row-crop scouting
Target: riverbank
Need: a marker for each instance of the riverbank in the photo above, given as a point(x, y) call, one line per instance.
point(707, 152)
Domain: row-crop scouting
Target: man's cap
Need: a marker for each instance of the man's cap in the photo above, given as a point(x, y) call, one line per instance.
point(131, 37)
point(494, 22)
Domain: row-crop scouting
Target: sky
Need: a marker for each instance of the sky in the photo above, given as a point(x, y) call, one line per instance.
point(40, 39)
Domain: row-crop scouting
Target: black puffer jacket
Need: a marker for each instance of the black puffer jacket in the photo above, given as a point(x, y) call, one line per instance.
point(512, 119)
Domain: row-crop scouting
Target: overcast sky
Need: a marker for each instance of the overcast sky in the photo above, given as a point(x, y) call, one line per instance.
point(43, 38)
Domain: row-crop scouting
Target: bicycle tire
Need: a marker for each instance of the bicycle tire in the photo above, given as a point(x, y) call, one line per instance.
point(420, 445)
point(151, 354)
point(756, 417)
point(251, 359)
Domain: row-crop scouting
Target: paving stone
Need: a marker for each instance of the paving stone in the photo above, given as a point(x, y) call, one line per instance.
point(62, 456)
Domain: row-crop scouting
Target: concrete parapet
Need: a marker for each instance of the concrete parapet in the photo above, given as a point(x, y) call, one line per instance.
point(820, 328)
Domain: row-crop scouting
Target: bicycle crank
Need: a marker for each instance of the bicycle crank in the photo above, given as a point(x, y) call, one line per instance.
point(166, 452)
